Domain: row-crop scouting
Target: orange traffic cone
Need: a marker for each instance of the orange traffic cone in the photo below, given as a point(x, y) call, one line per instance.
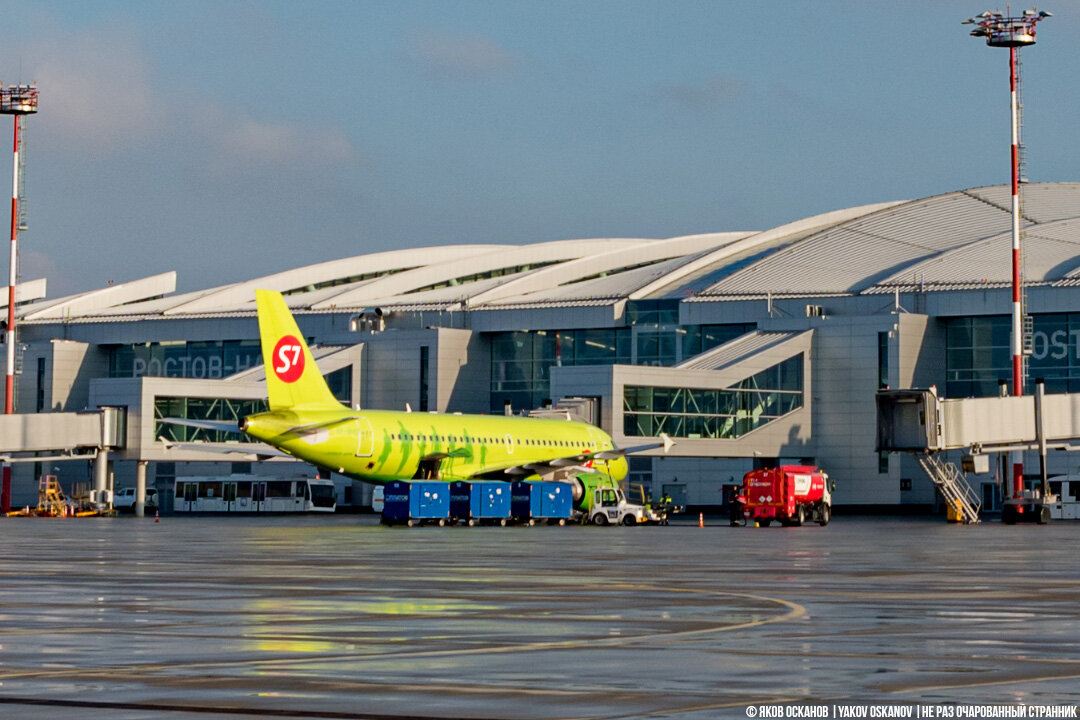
point(701, 519)
point(157, 518)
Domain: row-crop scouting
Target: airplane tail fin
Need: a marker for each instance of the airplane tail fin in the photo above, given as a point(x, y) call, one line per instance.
point(292, 378)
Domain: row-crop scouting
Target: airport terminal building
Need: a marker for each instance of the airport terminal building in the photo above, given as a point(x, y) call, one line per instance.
point(748, 348)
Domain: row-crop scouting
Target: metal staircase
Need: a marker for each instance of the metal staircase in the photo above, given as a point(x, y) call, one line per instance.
point(958, 494)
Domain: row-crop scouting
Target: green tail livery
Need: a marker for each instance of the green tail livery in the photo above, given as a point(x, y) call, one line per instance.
point(378, 446)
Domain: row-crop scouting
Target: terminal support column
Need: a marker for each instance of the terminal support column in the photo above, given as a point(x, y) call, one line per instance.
point(140, 488)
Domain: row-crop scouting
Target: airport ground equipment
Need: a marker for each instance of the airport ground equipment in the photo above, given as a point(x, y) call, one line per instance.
point(610, 507)
point(919, 422)
point(541, 501)
point(480, 502)
point(53, 502)
point(790, 494)
point(417, 502)
point(1066, 489)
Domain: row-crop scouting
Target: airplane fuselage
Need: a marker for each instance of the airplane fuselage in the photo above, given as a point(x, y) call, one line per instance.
point(379, 446)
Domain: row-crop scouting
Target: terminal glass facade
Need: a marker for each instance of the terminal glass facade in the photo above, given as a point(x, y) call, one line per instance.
point(521, 362)
point(191, 408)
point(720, 414)
point(213, 359)
point(979, 355)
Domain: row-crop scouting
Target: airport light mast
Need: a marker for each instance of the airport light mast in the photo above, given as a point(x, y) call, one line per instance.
point(1013, 33)
point(19, 101)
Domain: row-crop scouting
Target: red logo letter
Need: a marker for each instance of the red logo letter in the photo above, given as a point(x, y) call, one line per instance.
point(288, 359)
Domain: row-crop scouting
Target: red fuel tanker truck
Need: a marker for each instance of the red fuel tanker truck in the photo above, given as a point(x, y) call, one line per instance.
point(790, 494)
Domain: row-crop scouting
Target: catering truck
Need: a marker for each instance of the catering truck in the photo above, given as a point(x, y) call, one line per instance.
point(789, 494)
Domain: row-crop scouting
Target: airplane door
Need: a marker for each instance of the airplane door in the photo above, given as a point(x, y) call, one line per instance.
point(509, 444)
point(365, 440)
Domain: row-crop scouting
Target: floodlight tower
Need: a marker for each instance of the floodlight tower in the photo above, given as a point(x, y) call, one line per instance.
point(1013, 33)
point(19, 101)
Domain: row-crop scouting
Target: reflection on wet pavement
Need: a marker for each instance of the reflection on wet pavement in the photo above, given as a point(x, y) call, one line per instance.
point(339, 617)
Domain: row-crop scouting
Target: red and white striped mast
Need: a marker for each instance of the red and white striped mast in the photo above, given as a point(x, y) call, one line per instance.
point(1013, 33)
point(16, 100)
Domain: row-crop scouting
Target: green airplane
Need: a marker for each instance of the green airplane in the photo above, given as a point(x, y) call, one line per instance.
point(307, 422)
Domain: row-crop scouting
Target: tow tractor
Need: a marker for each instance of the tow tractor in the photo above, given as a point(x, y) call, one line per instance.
point(610, 507)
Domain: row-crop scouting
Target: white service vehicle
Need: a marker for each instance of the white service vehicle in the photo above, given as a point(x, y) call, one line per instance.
point(610, 507)
point(124, 499)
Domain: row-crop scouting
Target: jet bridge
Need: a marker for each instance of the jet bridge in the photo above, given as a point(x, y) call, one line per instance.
point(920, 422)
point(51, 437)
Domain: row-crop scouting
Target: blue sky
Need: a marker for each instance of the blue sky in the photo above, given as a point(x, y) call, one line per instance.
point(232, 139)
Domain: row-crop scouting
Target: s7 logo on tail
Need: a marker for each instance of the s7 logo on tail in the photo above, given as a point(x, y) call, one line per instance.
point(288, 359)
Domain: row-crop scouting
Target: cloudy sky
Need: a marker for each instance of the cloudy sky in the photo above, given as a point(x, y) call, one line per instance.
point(232, 138)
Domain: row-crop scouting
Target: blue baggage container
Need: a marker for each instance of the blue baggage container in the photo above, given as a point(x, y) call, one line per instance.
point(521, 501)
point(489, 500)
point(556, 500)
point(396, 502)
point(541, 500)
point(429, 500)
point(460, 500)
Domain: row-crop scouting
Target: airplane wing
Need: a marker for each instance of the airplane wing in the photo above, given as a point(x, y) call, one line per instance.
point(265, 452)
point(323, 425)
point(578, 463)
point(460, 452)
point(666, 443)
point(219, 425)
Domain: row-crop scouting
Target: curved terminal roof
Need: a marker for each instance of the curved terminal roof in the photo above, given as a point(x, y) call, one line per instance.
point(955, 240)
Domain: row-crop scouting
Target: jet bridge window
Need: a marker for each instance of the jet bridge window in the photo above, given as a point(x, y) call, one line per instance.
point(721, 413)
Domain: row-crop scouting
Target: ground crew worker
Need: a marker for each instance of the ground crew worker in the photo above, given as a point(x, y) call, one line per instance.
point(735, 506)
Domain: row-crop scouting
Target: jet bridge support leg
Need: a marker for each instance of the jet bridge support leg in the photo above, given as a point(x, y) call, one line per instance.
point(101, 468)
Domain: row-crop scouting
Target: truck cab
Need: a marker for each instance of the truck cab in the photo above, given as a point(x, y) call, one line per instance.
point(610, 507)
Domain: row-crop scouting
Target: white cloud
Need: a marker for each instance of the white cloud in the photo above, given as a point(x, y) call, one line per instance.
point(716, 91)
point(461, 55)
point(248, 140)
point(96, 91)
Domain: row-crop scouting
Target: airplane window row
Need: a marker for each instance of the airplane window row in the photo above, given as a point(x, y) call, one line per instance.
point(495, 441)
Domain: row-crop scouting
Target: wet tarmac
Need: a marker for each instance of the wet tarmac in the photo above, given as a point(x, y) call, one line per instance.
point(316, 617)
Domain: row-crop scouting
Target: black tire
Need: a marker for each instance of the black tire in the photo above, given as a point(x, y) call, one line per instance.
point(825, 516)
point(502, 522)
point(562, 522)
point(442, 522)
point(472, 522)
point(800, 516)
point(1008, 514)
point(410, 522)
point(629, 520)
point(599, 519)
point(764, 522)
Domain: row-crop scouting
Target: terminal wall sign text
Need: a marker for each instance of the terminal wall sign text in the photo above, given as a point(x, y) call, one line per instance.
point(1056, 345)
